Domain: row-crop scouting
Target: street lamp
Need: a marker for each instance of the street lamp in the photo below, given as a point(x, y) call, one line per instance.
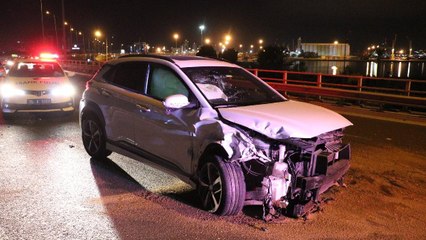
point(99, 34)
point(84, 44)
point(176, 37)
point(54, 23)
point(207, 41)
point(227, 40)
point(66, 42)
point(201, 27)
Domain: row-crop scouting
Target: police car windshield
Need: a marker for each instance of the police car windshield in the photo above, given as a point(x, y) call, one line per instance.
point(36, 69)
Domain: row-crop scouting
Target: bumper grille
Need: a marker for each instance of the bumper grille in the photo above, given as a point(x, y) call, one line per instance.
point(37, 93)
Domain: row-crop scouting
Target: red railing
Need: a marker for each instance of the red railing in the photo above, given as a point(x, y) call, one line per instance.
point(406, 92)
point(403, 92)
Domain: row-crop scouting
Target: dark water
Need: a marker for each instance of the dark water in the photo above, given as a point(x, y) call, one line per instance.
point(385, 68)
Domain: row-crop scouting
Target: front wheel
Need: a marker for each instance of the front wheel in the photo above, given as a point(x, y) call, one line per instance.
point(221, 186)
point(94, 139)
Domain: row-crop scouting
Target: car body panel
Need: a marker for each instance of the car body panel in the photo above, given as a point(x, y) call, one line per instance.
point(286, 119)
point(301, 143)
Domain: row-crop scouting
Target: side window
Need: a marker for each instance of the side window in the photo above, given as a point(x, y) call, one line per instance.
point(105, 73)
point(130, 75)
point(163, 82)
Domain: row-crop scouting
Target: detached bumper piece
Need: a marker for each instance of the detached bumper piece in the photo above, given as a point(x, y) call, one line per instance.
point(325, 169)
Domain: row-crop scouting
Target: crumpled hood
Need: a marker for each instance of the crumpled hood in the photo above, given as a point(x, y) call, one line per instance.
point(286, 119)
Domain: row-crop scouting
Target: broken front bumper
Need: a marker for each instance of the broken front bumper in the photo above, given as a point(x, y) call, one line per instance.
point(325, 169)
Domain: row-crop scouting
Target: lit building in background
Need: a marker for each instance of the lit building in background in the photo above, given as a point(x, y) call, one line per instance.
point(336, 49)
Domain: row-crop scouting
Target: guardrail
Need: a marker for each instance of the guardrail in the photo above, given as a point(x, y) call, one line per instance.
point(399, 92)
point(81, 66)
point(402, 92)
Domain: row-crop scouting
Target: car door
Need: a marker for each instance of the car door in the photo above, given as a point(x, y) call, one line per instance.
point(160, 132)
point(126, 83)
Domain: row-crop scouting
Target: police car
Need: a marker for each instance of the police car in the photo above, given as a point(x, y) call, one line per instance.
point(36, 86)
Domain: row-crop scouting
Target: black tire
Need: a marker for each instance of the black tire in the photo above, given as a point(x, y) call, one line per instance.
point(221, 186)
point(94, 138)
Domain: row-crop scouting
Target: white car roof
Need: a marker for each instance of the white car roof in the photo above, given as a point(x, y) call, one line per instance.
point(202, 63)
point(184, 61)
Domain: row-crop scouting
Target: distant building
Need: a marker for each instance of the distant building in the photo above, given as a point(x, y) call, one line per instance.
point(328, 49)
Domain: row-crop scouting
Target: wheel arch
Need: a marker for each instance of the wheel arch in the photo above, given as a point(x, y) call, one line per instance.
point(92, 108)
point(212, 149)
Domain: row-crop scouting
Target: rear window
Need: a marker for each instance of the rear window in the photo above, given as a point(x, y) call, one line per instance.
point(36, 69)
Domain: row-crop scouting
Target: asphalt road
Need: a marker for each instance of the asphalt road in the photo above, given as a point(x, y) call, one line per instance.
point(51, 189)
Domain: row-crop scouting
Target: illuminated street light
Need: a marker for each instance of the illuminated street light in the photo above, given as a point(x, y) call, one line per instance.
point(176, 37)
point(201, 27)
point(260, 41)
point(336, 42)
point(207, 41)
point(99, 34)
point(84, 44)
point(54, 23)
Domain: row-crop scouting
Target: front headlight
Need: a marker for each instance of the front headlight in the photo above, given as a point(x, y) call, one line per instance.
point(9, 90)
point(66, 90)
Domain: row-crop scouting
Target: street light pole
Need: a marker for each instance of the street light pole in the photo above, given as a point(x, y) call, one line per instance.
point(202, 27)
point(98, 34)
point(42, 23)
point(84, 44)
point(64, 38)
point(54, 23)
point(176, 36)
point(106, 48)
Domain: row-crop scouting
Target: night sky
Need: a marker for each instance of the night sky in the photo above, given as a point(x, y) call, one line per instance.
point(359, 22)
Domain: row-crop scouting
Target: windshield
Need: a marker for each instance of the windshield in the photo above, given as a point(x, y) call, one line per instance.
point(36, 69)
point(227, 86)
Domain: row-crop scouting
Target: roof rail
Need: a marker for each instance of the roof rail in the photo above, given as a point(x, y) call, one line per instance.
point(148, 55)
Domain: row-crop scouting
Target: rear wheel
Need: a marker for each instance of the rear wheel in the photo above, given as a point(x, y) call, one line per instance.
point(93, 135)
point(221, 186)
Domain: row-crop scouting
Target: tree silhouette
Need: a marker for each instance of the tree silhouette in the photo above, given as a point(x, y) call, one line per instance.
point(230, 55)
point(271, 57)
point(207, 51)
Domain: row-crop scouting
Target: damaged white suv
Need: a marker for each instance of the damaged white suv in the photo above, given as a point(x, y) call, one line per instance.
point(217, 127)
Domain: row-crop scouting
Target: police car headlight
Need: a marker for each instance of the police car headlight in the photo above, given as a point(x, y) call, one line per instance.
point(66, 90)
point(8, 90)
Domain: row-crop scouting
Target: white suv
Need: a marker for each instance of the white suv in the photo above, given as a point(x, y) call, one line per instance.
point(217, 127)
point(36, 86)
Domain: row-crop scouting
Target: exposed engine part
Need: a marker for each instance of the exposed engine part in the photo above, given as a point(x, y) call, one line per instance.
point(275, 188)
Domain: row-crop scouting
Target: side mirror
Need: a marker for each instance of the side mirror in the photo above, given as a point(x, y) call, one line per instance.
point(176, 101)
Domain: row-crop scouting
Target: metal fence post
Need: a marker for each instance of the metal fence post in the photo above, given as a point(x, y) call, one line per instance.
point(319, 80)
point(408, 87)
point(359, 84)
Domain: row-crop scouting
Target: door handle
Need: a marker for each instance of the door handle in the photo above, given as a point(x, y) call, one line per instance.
point(143, 108)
